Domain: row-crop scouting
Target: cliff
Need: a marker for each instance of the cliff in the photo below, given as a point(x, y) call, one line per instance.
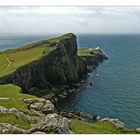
point(61, 65)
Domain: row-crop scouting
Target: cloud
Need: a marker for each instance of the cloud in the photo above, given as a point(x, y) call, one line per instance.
point(41, 19)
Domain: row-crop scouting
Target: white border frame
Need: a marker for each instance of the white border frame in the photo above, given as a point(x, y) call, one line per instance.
point(68, 2)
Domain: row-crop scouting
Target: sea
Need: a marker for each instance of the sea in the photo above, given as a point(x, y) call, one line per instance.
point(115, 90)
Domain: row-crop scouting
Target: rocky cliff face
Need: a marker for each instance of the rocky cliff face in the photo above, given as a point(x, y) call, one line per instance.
point(60, 66)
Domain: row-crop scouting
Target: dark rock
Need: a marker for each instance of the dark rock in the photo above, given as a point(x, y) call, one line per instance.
point(78, 115)
point(60, 66)
point(48, 107)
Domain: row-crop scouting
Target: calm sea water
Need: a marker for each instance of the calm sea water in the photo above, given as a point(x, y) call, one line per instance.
point(116, 82)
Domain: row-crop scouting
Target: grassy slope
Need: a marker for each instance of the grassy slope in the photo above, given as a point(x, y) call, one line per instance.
point(12, 119)
point(13, 92)
point(20, 58)
point(12, 59)
point(80, 127)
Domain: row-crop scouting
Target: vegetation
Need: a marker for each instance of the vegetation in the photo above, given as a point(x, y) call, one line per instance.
point(105, 127)
point(11, 97)
point(19, 121)
point(12, 59)
point(13, 92)
point(88, 51)
point(57, 39)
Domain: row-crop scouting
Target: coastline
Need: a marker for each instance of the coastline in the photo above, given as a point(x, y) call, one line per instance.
point(57, 93)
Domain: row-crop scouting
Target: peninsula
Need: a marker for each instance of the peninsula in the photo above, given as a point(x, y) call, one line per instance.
point(34, 78)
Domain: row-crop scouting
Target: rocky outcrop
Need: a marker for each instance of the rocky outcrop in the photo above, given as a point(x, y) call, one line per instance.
point(60, 66)
point(115, 122)
point(78, 115)
point(96, 56)
point(42, 118)
point(53, 123)
point(10, 129)
point(50, 124)
point(11, 110)
point(44, 106)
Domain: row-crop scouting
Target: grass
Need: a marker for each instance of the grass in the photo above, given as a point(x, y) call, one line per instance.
point(105, 127)
point(12, 59)
point(57, 39)
point(14, 104)
point(19, 121)
point(3, 63)
point(20, 58)
point(86, 52)
point(13, 92)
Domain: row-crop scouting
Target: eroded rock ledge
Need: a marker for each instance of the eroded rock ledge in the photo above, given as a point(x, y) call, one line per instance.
point(42, 116)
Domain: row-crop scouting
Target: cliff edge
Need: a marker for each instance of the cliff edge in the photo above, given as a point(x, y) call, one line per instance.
point(61, 65)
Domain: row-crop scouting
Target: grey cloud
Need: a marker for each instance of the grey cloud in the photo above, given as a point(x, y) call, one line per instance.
point(70, 19)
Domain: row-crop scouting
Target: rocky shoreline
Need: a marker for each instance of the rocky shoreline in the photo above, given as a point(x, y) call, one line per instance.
point(59, 93)
point(43, 116)
point(53, 78)
point(46, 120)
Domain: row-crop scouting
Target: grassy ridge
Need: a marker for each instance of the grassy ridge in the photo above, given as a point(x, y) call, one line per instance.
point(105, 127)
point(19, 121)
point(13, 92)
point(14, 100)
point(12, 59)
point(20, 58)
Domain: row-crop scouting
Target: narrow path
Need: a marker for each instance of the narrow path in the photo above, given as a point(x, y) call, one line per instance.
point(8, 62)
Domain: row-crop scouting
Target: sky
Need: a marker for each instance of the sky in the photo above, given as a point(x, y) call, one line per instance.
point(43, 19)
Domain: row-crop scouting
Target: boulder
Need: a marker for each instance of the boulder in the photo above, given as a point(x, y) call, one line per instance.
point(78, 115)
point(11, 110)
point(42, 105)
point(41, 100)
point(37, 106)
point(9, 129)
point(3, 109)
point(48, 107)
point(53, 123)
point(115, 122)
